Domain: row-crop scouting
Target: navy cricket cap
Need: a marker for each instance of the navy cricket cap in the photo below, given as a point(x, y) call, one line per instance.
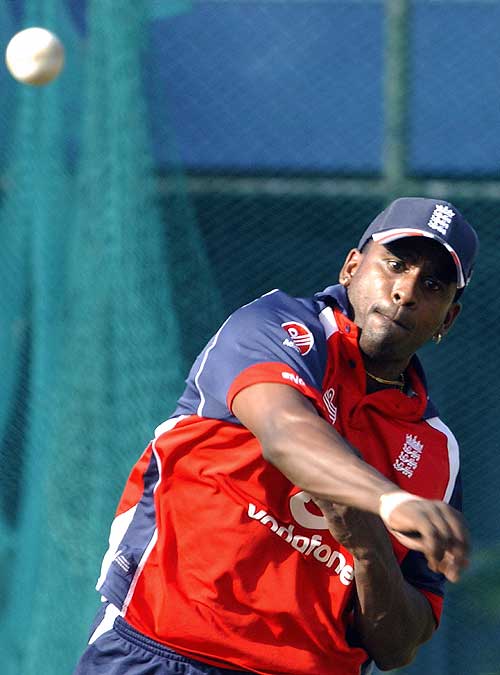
point(434, 218)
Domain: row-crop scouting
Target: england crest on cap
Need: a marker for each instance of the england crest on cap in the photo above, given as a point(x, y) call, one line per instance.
point(434, 218)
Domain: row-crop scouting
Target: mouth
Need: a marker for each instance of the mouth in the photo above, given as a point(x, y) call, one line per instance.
point(402, 323)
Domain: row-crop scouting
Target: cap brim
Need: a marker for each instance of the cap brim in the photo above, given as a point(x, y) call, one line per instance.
point(401, 232)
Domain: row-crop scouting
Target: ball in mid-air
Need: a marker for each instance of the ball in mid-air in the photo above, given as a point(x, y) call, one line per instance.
point(34, 56)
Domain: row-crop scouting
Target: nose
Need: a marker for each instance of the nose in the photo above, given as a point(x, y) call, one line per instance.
point(405, 289)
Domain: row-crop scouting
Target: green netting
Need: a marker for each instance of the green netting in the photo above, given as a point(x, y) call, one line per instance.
point(93, 356)
point(114, 274)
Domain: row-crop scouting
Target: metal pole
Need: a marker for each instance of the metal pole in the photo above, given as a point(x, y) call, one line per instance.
point(396, 89)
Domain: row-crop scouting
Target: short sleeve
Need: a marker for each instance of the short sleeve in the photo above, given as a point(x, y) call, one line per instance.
point(273, 339)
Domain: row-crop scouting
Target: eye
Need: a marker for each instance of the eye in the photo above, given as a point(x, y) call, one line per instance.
point(433, 284)
point(395, 265)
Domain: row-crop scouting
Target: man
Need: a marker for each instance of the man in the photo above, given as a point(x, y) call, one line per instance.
point(297, 514)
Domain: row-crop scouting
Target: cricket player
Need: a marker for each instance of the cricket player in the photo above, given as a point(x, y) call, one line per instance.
point(299, 512)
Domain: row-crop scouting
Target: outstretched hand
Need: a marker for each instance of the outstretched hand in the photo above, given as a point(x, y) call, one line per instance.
point(435, 529)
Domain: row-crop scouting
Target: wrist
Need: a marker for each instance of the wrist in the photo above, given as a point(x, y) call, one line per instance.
point(391, 500)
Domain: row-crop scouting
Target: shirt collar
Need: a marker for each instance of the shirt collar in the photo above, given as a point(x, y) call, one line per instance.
point(336, 296)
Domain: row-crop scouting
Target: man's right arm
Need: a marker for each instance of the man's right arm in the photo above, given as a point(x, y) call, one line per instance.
point(315, 457)
point(391, 618)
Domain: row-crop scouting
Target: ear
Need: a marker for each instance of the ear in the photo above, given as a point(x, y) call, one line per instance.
point(351, 264)
point(450, 318)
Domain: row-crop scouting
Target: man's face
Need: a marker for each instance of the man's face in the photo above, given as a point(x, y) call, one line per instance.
point(402, 295)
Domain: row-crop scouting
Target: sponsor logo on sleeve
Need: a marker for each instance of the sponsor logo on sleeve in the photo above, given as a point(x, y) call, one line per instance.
point(291, 377)
point(299, 336)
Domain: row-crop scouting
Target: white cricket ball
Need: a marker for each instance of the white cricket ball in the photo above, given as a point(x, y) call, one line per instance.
point(34, 56)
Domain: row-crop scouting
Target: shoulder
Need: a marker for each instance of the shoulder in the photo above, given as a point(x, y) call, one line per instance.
point(277, 302)
point(299, 317)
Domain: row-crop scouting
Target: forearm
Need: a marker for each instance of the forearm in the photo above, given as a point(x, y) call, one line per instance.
point(316, 458)
point(392, 618)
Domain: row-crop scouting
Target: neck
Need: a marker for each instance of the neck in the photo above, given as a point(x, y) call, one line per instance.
point(384, 375)
point(375, 383)
point(387, 370)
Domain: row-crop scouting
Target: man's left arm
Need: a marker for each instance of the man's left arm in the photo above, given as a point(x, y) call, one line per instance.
point(391, 617)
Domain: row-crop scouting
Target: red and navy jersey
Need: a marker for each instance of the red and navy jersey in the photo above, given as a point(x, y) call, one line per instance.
point(214, 552)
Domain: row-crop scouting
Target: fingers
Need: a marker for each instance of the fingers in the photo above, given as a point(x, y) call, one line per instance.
point(447, 537)
point(435, 529)
point(449, 567)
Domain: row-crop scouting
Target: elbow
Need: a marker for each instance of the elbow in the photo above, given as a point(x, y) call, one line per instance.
point(268, 449)
point(272, 452)
point(275, 439)
point(268, 445)
point(394, 660)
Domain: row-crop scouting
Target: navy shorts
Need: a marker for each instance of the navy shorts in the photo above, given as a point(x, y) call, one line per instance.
point(115, 648)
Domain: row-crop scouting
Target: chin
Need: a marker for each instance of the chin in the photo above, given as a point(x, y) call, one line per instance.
point(380, 345)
